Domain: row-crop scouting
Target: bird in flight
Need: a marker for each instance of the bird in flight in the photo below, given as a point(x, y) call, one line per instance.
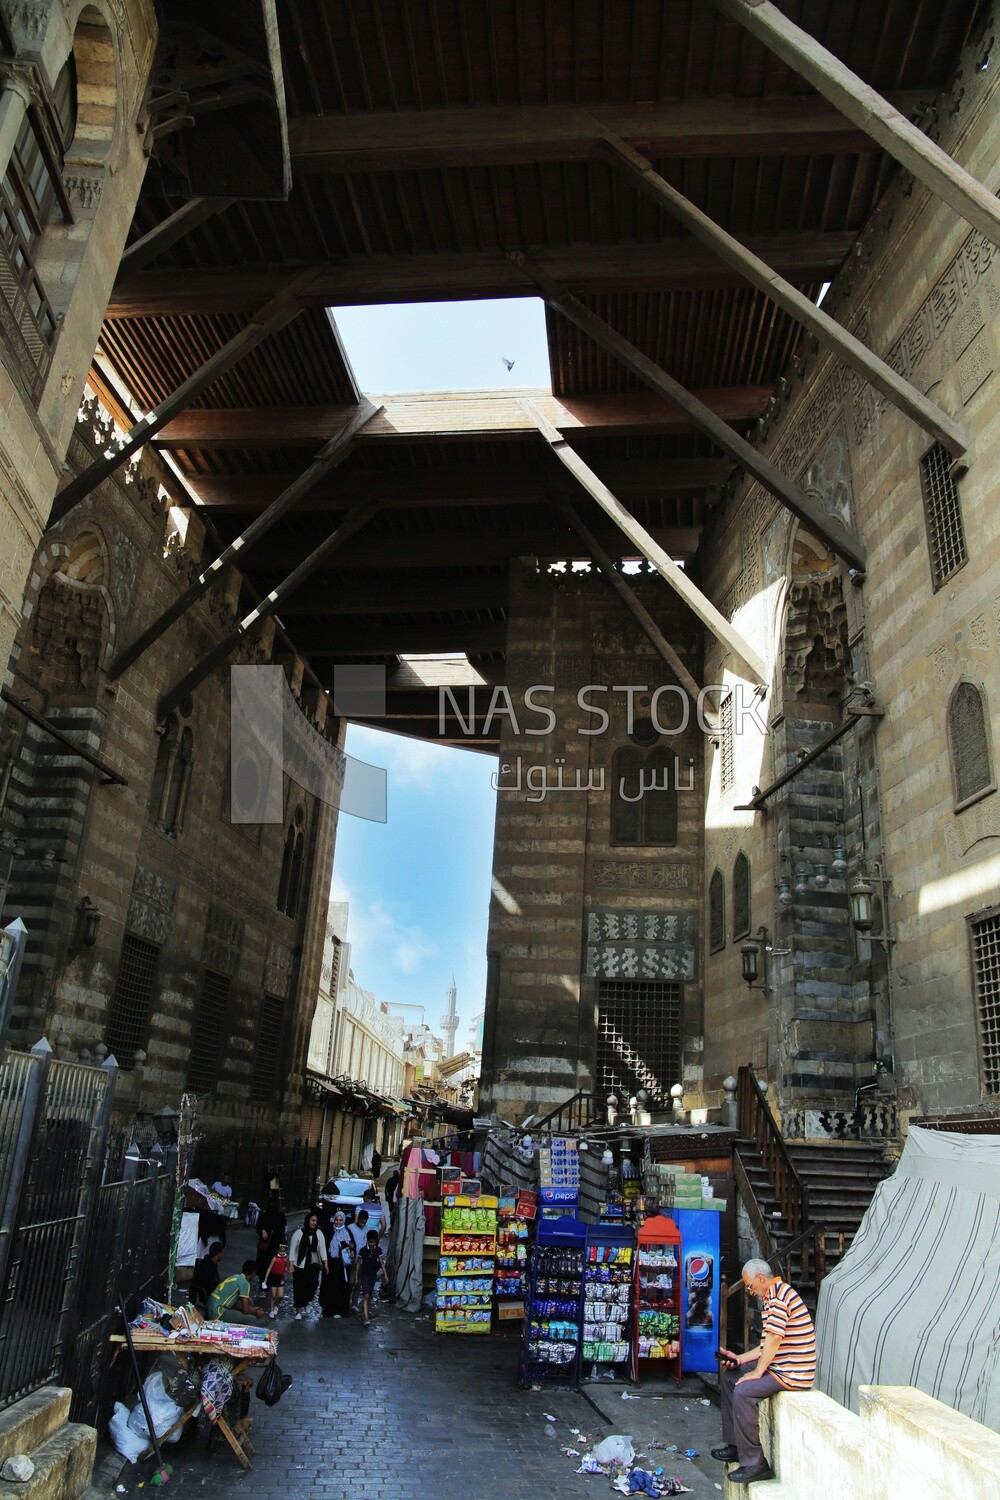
point(508, 362)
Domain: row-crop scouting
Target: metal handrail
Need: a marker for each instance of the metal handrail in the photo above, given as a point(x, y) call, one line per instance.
point(782, 1257)
point(755, 1122)
point(577, 1111)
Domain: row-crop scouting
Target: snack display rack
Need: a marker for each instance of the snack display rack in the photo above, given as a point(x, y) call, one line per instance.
point(550, 1340)
point(657, 1299)
point(511, 1277)
point(608, 1279)
point(466, 1265)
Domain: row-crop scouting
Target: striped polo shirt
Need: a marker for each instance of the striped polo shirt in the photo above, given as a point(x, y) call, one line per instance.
point(785, 1313)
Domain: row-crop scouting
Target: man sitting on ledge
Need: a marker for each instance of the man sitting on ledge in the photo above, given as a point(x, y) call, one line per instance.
point(785, 1360)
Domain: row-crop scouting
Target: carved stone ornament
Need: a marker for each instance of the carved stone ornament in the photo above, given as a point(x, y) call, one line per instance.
point(151, 908)
point(817, 657)
point(641, 945)
point(223, 942)
point(277, 970)
point(29, 17)
point(84, 189)
point(638, 875)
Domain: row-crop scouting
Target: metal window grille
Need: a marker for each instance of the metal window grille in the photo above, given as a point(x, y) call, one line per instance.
point(265, 1063)
point(727, 745)
point(986, 969)
point(209, 1033)
point(741, 896)
point(131, 1003)
point(945, 533)
point(716, 912)
point(638, 1038)
point(970, 746)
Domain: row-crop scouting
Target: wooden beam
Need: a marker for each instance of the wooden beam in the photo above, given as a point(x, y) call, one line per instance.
point(328, 458)
point(403, 638)
point(773, 125)
point(873, 114)
point(272, 316)
point(837, 536)
point(672, 264)
point(441, 486)
point(251, 623)
point(171, 229)
point(460, 549)
point(640, 538)
point(443, 415)
point(630, 599)
point(341, 594)
point(927, 415)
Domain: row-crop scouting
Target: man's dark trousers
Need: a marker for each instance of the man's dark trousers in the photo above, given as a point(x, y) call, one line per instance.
point(740, 1417)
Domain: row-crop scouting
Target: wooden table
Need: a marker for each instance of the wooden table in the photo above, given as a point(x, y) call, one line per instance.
point(192, 1351)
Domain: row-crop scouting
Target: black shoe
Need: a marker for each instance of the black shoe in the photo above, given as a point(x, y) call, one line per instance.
point(727, 1455)
point(759, 1471)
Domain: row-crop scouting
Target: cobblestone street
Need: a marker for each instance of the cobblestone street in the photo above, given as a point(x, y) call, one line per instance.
point(396, 1410)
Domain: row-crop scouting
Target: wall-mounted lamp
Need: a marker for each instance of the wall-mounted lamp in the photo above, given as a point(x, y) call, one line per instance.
point(861, 895)
point(750, 959)
point(87, 924)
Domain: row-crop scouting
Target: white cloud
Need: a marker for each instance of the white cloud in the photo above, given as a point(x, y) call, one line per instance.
point(376, 932)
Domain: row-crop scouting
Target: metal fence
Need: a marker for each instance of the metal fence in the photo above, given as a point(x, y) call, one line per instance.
point(80, 1222)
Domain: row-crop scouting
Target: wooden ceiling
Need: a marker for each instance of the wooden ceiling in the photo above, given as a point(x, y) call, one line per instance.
point(431, 138)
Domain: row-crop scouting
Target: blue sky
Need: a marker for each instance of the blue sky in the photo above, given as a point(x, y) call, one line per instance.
point(419, 885)
point(446, 346)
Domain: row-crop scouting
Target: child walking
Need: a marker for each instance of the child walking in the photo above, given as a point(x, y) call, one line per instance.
point(370, 1262)
point(275, 1279)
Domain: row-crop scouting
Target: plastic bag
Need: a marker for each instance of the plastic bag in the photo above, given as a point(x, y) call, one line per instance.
point(162, 1410)
point(272, 1384)
point(615, 1450)
point(180, 1385)
point(126, 1442)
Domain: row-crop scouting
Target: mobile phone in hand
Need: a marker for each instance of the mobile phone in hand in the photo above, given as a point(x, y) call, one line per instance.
point(726, 1359)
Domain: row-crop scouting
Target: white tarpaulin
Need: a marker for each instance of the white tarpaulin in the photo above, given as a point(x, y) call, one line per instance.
point(916, 1299)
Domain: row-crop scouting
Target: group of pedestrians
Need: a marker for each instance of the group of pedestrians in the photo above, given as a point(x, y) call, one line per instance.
point(325, 1255)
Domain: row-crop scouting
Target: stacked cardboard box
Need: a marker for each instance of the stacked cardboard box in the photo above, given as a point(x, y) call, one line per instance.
point(669, 1185)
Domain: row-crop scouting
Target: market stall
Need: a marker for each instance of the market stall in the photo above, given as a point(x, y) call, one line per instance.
point(216, 1356)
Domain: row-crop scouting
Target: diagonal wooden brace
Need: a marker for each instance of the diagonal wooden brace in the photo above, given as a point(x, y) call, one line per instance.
point(664, 564)
point(945, 428)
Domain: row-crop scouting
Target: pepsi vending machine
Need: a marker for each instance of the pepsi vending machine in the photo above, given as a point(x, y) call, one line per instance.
point(699, 1288)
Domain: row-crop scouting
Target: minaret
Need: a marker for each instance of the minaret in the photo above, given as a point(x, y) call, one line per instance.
point(449, 1021)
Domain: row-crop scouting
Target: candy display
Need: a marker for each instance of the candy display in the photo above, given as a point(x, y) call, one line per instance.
point(466, 1265)
point(511, 1276)
point(657, 1296)
point(608, 1277)
point(550, 1348)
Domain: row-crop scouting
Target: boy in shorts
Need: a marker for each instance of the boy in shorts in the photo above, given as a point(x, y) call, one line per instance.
point(370, 1263)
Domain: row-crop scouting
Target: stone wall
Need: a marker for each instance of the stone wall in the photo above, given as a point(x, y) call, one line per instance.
point(113, 43)
point(173, 870)
point(570, 907)
point(923, 290)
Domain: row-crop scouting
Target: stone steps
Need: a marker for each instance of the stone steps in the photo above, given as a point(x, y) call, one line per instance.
point(61, 1451)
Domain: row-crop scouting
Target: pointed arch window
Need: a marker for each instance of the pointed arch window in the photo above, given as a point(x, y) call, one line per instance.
point(292, 865)
point(716, 912)
point(741, 896)
point(643, 797)
point(969, 742)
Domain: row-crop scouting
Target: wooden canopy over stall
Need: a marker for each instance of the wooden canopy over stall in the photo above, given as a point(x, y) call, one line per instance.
point(438, 147)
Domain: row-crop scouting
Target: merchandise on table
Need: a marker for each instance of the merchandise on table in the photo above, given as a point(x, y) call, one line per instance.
point(466, 1265)
point(550, 1346)
point(657, 1296)
point(609, 1273)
